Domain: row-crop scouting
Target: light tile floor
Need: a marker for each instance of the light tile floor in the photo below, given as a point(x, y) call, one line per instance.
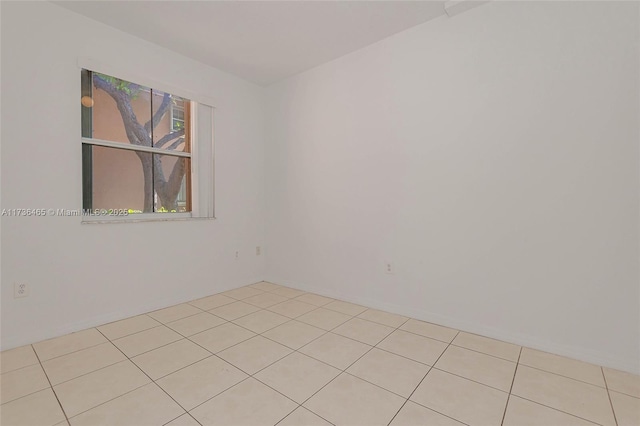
point(266, 354)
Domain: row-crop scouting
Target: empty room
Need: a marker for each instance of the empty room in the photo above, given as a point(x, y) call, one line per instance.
point(312, 213)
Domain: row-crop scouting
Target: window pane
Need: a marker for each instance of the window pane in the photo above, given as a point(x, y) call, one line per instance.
point(172, 184)
point(119, 180)
point(119, 107)
point(119, 111)
point(171, 121)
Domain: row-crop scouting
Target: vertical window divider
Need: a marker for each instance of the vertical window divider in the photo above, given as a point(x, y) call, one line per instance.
point(195, 167)
point(153, 158)
point(187, 147)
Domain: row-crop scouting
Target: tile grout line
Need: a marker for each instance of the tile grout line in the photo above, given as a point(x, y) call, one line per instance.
point(64, 413)
point(241, 316)
point(147, 314)
point(393, 353)
point(562, 375)
point(242, 298)
point(344, 371)
point(288, 414)
point(468, 379)
point(439, 340)
point(194, 419)
point(130, 334)
point(183, 414)
point(187, 338)
point(249, 338)
point(147, 351)
point(508, 360)
point(219, 393)
point(202, 311)
point(100, 368)
point(72, 352)
point(92, 371)
point(226, 321)
point(279, 359)
point(249, 376)
point(418, 385)
point(513, 380)
point(217, 306)
point(133, 334)
point(561, 411)
point(377, 385)
point(484, 353)
point(353, 340)
point(19, 368)
point(127, 358)
point(289, 347)
point(615, 418)
point(436, 340)
point(172, 306)
point(211, 295)
point(500, 358)
point(211, 354)
point(435, 411)
point(176, 418)
point(321, 361)
point(293, 350)
point(182, 368)
point(550, 407)
point(325, 332)
point(252, 376)
point(241, 326)
point(288, 321)
point(112, 399)
point(152, 381)
point(304, 408)
point(159, 324)
point(341, 370)
point(222, 359)
point(26, 395)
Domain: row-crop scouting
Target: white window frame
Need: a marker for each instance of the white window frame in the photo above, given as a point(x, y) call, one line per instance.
point(201, 155)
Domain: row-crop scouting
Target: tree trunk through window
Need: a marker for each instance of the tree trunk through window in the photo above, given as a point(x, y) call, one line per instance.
point(165, 185)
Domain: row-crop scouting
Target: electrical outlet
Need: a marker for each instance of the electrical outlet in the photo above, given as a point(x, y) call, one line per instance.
point(258, 250)
point(237, 254)
point(389, 268)
point(20, 290)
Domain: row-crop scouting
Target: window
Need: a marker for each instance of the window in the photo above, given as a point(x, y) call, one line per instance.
point(177, 116)
point(139, 149)
point(178, 124)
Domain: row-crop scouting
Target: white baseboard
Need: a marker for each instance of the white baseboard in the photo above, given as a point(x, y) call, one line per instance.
point(603, 358)
point(599, 358)
point(49, 333)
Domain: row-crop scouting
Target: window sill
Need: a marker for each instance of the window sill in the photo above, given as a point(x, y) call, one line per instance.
point(143, 217)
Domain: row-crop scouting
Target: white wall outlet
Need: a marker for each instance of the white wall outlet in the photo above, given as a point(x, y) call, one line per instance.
point(389, 269)
point(237, 254)
point(20, 290)
point(258, 250)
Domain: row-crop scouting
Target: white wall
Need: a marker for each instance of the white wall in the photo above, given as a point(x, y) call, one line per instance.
point(84, 275)
point(491, 157)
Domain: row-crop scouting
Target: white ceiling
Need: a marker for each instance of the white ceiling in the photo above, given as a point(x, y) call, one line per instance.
point(261, 41)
